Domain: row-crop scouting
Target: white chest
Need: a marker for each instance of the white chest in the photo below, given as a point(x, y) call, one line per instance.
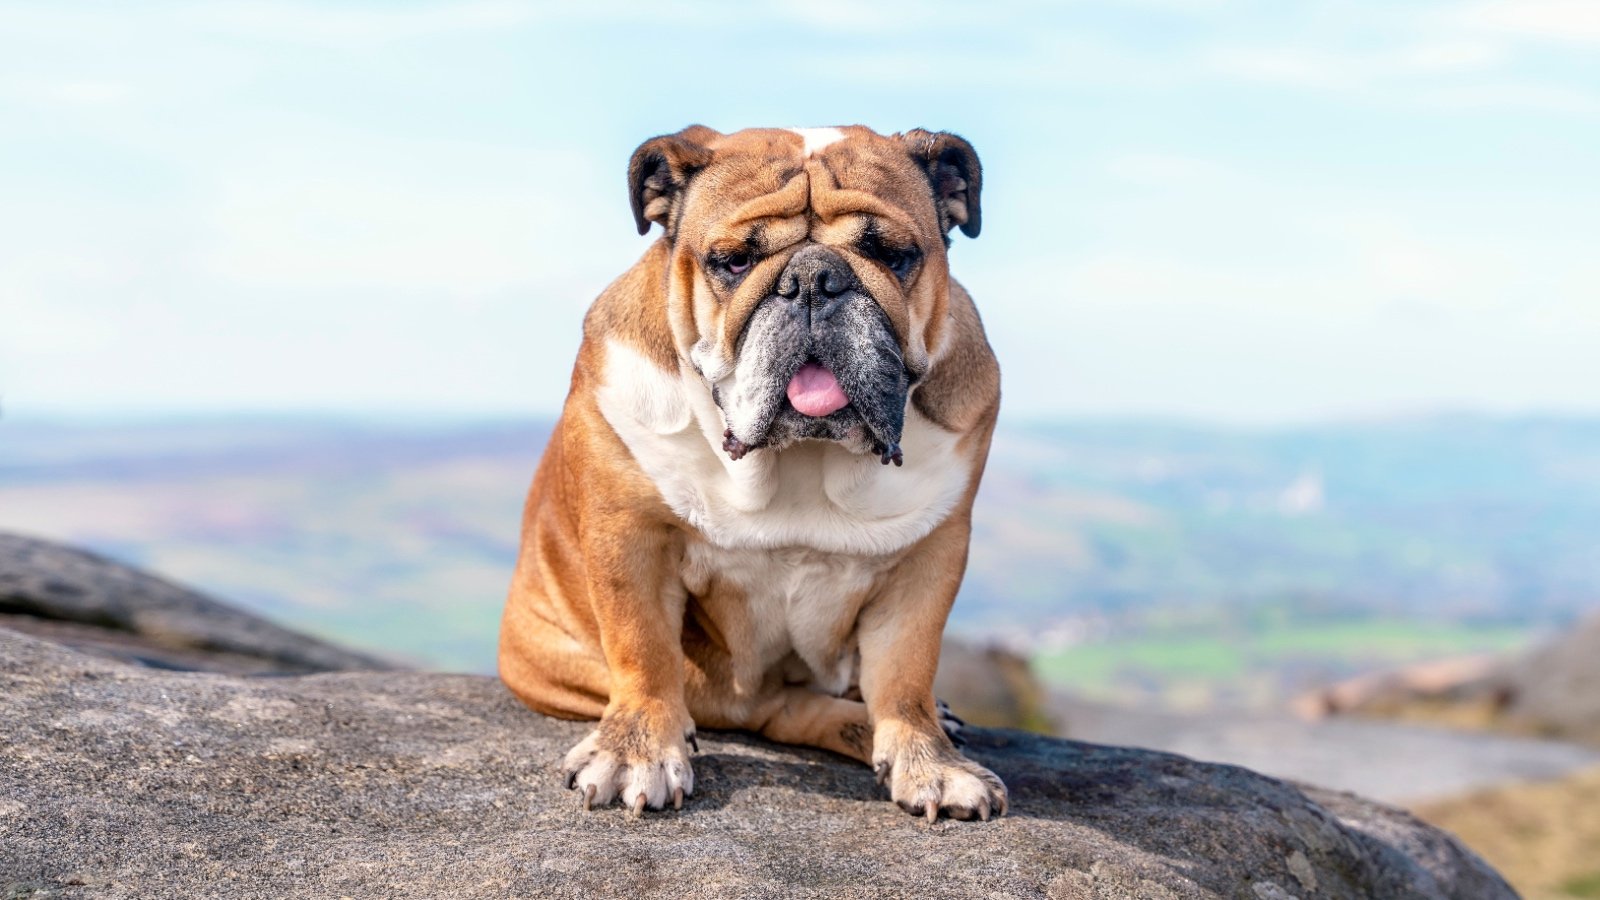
point(813, 495)
point(795, 600)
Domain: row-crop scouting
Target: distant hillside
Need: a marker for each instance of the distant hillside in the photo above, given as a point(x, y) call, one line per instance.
point(400, 536)
point(1460, 516)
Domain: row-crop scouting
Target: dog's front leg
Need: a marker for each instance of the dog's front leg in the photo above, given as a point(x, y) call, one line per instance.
point(639, 751)
point(899, 633)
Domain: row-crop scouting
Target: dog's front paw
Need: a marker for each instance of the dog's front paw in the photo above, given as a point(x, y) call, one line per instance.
point(633, 754)
point(926, 776)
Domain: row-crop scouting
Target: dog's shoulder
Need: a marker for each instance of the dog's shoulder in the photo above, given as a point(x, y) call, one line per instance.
point(629, 312)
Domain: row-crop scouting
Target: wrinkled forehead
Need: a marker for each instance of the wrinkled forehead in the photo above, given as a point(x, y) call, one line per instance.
point(774, 181)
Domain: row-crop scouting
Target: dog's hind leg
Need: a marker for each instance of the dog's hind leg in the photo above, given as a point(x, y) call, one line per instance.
point(798, 715)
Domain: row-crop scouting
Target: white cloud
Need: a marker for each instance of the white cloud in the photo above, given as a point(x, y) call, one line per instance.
point(39, 329)
point(1562, 21)
point(848, 16)
point(322, 24)
point(1298, 67)
point(1453, 76)
point(348, 208)
point(1316, 67)
point(1551, 98)
point(343, 230)
point(1451, 56)
point(1153, 169)
point(72, 93)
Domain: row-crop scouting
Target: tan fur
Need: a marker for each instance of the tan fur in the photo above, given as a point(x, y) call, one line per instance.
point(623, 609)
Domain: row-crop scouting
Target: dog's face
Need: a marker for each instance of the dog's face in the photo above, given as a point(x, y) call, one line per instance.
point(809, 279)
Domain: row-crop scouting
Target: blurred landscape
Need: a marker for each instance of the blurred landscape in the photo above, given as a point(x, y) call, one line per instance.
point(1170, 585)
point(1171, 565)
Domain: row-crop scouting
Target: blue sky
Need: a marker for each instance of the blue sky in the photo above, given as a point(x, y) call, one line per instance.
point(1243, 211)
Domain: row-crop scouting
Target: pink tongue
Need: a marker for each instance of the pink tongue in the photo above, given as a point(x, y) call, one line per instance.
point(815, 392)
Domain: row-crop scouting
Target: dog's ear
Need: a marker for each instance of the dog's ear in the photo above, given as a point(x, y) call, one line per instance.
point(954, 174)
point(661, 169)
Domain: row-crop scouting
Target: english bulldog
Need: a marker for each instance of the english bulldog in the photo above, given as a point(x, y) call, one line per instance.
point(754, 510)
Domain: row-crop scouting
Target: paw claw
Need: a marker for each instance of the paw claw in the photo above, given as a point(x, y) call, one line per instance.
point(643, 773)
point(677, 798)
point(927, 777)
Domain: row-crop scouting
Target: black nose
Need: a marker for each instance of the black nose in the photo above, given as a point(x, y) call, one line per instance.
point(816, 278)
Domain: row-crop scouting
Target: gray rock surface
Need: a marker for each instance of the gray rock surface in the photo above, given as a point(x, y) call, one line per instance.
point(118, 781)
point(1555, 689)
point(99, 606)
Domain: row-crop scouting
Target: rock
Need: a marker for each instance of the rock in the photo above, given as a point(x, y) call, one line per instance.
point(992, 687)
point(1550, 691)
point(102, 607)
point(1389, 692)
point(136, 782)
point(1555, 690)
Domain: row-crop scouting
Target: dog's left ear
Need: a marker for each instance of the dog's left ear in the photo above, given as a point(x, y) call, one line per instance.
point(661, 168)
point(954, 173)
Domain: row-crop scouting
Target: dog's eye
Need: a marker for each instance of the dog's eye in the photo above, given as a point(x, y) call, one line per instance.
point(737, 263)
point(898, 260)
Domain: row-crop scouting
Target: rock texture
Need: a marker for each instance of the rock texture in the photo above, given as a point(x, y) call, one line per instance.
point(118, 781)
point(98, 606)
point(1556, 688)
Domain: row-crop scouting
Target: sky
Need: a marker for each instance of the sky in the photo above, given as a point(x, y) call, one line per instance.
point(1228, 210)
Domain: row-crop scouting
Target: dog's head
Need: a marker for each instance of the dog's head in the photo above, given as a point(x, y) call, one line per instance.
point(809, 281)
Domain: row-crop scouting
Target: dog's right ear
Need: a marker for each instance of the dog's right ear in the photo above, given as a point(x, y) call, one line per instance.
point(661, 169)
point(954, 174)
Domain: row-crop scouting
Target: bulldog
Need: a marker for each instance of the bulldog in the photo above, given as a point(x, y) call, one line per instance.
point(754, 511)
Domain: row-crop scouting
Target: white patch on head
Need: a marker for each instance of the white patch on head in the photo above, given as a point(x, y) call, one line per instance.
point(818, 138)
